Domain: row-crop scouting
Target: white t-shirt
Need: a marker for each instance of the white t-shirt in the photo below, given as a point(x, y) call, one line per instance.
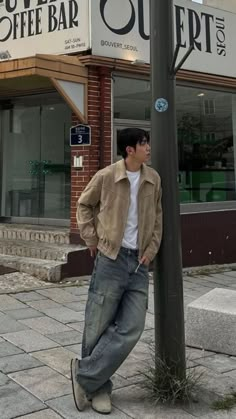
point(130, 239)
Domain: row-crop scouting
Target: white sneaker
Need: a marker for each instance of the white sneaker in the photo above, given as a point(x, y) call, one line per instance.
point(78, 391)
point(101, 403)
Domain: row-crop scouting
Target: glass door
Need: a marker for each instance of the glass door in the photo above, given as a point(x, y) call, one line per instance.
point(35, 177)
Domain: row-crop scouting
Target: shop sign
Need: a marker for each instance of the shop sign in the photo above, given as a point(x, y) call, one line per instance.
point(80, 135)
point(29, 27)
point(120, 29)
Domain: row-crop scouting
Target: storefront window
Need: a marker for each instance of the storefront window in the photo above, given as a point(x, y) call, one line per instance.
point(206, 125)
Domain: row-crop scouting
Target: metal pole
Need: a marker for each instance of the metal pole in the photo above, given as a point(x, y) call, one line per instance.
point(168, 283)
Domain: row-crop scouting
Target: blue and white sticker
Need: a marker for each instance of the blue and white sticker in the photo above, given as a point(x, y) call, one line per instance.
point(161, 105)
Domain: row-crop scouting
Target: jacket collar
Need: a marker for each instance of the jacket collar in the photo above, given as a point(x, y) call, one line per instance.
point(120, 173)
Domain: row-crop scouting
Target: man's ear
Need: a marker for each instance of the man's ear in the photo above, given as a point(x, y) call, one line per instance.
point(129, 150)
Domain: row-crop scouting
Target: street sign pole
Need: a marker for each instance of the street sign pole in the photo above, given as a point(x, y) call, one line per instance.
point(168, 283)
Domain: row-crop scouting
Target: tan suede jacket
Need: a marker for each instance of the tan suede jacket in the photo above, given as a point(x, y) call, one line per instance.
point(103, 209)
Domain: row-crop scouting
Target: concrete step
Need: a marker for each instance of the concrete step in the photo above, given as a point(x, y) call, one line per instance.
point(38, 250)
point(46, 270)
point(43, 234)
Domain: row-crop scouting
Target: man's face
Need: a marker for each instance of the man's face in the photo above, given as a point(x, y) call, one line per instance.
point(141, 154)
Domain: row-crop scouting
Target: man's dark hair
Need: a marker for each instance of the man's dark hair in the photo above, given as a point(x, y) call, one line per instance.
point(130, 137)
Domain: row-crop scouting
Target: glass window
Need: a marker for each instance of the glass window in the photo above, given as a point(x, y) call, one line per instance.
point(206, 125)
point(131, 99)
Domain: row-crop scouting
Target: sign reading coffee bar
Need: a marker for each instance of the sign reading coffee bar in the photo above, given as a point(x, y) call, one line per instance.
point(29, 27)
point(120, 29)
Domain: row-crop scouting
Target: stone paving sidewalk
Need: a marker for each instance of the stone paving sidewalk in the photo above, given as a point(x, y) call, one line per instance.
point(41, 330)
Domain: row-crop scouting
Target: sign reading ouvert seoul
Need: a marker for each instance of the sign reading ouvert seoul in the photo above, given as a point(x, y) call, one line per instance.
point(29, 27)
point(120, 29)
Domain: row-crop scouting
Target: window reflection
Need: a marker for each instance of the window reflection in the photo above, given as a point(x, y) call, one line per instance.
point(206, 127)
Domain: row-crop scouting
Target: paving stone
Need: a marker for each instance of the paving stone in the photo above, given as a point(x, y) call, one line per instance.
point(65, 315)
point(4, 379)
point(58, 295)
point(15, 401)
point(66, 338)
point(149, 322)
point(18, 363)
point(142, 351)
point(76, 306)
point(79, 291)
point(44, 414)
point(43, 305)
point(148, 336)
point(24, 313)
point(202, 404)
point(28, 296)
point(45, 325)
point(134, 402)
point(220, 384)
point(43, 382)
point(230, 374)
point(7, 324)
point(30, 341)
point(9, 303)
point(220, 415)
point(76, 349)
point(65, 406)
point(219, 363)
point(7, 348)
point(193, 353)
point(78, 326)
point(131, 367)
point(57, 359)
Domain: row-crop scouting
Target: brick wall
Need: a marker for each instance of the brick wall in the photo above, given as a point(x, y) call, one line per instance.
point(98, 155)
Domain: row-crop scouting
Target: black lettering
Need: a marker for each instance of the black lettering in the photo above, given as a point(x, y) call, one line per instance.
point(220, 36)
point(221, 51)
point(141, 21)
point(41, 2)
point(52, 20)
point(194, 29)
point(9, 7)
point(122, 31)
point(38, 29)
point(62, 18)
point(15, 25)
point(208, 19)
point(4, 19)
point(22, 24)
point(73, 14)
point(30, 23)
point(179, 25)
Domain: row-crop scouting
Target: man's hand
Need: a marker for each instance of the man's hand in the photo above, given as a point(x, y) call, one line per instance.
point(145, 261)
point(93, 251)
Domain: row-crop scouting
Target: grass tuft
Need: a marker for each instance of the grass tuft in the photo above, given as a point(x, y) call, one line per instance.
point(226, 403)
point(164, 385)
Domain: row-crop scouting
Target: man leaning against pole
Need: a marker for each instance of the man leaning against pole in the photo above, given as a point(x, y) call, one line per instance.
point(120, 219)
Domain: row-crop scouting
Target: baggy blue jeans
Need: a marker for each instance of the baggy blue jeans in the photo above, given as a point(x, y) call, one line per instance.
point(114, 318)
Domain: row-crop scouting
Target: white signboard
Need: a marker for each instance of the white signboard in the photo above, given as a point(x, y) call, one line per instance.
point(29, 27)
point(120, 29)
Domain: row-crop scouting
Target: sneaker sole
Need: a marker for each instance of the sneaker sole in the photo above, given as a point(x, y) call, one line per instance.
point(73, 387)
point(101, 413)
